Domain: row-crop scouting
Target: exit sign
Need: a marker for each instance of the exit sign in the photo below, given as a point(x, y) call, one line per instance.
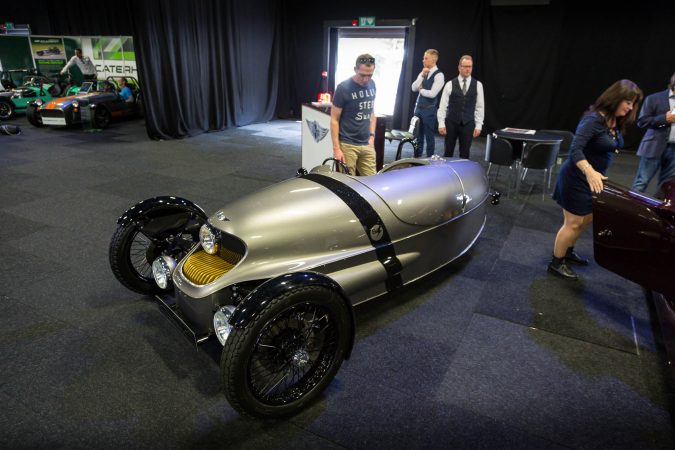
point(367, 21)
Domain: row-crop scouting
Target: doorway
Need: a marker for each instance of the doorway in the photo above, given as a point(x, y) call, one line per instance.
point(390, 43)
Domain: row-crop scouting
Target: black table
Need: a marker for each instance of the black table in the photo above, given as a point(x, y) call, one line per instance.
point(519, 139)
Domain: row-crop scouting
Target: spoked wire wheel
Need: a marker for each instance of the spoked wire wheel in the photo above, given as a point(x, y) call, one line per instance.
point(132, 253)
point(284, 359)
point(292, 354)
point(141, 255)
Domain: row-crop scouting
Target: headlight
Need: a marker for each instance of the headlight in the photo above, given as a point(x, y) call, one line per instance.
point(162, 268)
point(76, 104)
point(221, 325)
point(39, 102)
point(208, 239)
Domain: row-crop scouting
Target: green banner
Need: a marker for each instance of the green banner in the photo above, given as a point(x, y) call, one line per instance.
point(112, 56)
point(15, 53)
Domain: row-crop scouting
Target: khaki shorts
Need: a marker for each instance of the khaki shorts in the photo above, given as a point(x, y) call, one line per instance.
point(359, 157)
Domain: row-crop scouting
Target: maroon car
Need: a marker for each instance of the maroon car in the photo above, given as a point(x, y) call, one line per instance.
point(634, 236)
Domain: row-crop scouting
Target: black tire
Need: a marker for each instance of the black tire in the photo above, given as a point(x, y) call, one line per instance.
point(302, 334)
point(132, 252)
point(33, 116)
point(101, 118)
point(6, 109)
point(140, 106)
point(54, 90)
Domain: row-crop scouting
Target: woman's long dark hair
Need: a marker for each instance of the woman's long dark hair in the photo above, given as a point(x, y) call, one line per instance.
point(609, 102)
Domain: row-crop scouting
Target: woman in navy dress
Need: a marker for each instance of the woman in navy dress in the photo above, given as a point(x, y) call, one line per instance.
point(598, 135)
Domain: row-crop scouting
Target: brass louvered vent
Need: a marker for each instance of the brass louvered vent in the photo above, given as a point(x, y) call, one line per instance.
point(202, 268)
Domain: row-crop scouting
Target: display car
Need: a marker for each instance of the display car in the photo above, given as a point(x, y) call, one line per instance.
point(96, 103)
point(49, 51)
point(634, 236)
point(274, 275)
point(15, 99)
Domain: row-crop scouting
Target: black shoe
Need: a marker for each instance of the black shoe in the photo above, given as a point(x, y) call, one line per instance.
point(558, 267)
point(572, 258)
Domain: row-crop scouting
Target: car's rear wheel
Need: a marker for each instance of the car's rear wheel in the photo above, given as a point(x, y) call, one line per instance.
point(140, 106)
point(101, 118)
point(6, 109)
point(132, 253)
point(288, 354)
point(54, 90)
point(33, 116)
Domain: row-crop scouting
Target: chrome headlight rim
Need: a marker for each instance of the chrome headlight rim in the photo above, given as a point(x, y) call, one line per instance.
point(221, 323)
point(209, 239)
point(162, 270)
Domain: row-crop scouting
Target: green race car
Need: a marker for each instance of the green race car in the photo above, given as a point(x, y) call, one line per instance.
point(15, 99)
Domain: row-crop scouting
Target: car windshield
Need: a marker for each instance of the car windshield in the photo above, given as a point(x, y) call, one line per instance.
point(132, 83)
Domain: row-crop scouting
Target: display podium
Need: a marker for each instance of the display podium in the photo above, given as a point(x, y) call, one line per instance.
point(316, 141)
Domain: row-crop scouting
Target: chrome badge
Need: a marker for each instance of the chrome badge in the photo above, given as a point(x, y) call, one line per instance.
point(376, 232)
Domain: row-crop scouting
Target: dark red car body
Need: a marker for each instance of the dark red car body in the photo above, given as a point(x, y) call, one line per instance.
point(634, 236)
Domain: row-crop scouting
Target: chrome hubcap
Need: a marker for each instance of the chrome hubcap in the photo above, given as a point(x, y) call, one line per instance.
point(300, 358)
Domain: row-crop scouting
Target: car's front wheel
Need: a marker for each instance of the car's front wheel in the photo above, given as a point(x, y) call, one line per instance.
point(101, 118)
point(6, 109)
point(33, 116)
point(288, 354)
point(132, 252)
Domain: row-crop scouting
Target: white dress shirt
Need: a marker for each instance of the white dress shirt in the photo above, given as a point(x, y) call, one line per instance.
point(479, 113)
point(84, 64)
point(436, 87)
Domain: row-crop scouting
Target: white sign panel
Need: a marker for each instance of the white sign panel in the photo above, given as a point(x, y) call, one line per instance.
point(316, 140)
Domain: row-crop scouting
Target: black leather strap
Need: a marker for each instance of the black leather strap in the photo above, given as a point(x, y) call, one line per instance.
point(372, 224)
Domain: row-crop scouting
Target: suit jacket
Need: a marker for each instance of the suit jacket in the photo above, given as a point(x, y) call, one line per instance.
point(653, 117)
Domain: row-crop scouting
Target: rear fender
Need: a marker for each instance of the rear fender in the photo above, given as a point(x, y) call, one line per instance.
point(257, 300)
point(162, 213)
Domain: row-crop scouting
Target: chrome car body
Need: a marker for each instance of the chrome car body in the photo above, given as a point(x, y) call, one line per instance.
point(346, 239)
point(369, 234)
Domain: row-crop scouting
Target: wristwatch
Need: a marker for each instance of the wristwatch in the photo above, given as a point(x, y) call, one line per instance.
point(372, 134)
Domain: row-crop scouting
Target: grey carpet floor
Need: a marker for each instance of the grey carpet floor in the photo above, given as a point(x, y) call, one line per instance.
point(489, 352)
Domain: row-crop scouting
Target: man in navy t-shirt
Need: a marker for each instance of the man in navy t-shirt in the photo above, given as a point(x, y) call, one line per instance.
point(352, 122)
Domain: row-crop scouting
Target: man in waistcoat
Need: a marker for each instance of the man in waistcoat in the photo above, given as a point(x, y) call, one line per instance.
point(352, 118)
point(462, 109)
point(428, 84)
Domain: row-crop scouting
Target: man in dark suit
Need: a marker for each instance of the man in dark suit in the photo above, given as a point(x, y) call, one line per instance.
point(657, 149)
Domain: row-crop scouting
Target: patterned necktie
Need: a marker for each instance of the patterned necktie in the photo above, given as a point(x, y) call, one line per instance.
point(464, 86)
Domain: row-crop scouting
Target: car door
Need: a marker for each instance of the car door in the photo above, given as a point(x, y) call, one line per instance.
point(634, 236)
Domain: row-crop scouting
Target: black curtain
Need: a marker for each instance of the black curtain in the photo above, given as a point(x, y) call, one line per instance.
point(87, 18)
point(207, 64)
